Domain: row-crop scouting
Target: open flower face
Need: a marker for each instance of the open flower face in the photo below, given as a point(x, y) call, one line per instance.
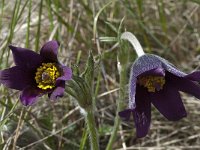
point(36, 74)
point(154, 80)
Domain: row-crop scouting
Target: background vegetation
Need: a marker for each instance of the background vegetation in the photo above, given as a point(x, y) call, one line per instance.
point(168, 28)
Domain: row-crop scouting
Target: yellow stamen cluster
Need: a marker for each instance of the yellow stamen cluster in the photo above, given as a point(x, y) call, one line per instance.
point(46, 75)
point(152, 83)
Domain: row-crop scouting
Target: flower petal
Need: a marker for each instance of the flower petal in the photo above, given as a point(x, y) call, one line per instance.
point(142, 112)
point(195, 76)
point(156, 72)
point(67, 74)
point(145, 63)
point(58, 91)
point(169, 103)
point(30, 95)
point(125, 114)
point(50, 51)
point(185, 85)
point(16, 78)
point(25, 58)
point(170, 67)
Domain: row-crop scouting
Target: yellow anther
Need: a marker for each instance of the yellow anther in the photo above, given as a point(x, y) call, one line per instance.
point(152, 83)
point(46, 75)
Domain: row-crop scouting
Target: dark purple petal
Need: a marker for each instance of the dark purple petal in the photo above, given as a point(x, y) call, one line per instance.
point(125, 114)
point(145, 63)
point(58, 91)
point(26, 58)
point(142, 65)
point(50, 51)
point(169, 67)
point(16, 78)
point(185, 85)
point(142, 112)
point(66, 74)
point(154, 72)
point(30, 95)
point(169, 103)
point(195, 76)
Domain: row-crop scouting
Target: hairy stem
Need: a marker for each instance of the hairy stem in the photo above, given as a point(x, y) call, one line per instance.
point(91, 126)
point(123, 80)
point(135, 43)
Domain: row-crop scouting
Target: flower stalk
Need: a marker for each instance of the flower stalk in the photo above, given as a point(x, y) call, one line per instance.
point(122, 68)
point(81, 88)
point(135, 43)
point(122, 93)
point(91, 127)
point(123, 59)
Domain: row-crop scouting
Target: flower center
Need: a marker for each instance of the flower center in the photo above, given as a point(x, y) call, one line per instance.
point(152, 83)
point(46, 76)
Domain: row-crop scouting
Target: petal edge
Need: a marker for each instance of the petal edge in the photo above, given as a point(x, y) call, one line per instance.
point(49, 51)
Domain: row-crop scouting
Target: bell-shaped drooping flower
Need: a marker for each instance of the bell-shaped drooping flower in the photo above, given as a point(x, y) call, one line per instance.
point(36, 74)
point(154, 80)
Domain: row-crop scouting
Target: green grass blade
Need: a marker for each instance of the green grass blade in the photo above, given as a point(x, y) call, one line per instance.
point(28, 24)
point(38, 27)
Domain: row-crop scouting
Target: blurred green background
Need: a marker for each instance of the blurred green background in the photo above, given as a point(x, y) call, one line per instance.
point(168, 28)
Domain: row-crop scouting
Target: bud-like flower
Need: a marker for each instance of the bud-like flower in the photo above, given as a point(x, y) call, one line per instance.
point(154, 80)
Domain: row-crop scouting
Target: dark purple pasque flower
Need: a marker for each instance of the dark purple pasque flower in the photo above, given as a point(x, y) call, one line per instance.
point(154, 80)
point(36, 74)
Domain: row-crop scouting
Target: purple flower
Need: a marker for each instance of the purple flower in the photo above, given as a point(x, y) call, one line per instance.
point(154, 80)
point(36, 74)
